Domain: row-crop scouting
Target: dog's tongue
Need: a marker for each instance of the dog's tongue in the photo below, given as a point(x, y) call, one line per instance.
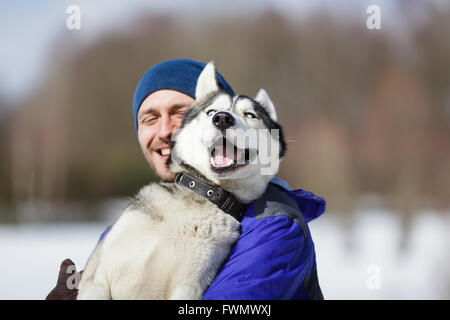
point(220, 158)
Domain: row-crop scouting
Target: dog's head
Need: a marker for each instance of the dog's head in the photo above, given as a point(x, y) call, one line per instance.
point(233, 141)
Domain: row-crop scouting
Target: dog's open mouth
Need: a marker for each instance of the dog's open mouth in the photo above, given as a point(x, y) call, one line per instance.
point(225, 156)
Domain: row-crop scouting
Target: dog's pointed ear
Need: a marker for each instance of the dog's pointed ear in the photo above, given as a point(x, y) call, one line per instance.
point(207, 81)
point(264, 100)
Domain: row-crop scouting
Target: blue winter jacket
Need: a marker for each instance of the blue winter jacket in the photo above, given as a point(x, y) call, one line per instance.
point(274, 258)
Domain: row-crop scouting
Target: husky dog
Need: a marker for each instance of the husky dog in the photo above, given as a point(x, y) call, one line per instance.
point(171, 240)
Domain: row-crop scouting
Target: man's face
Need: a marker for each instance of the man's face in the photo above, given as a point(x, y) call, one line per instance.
point(159, 116)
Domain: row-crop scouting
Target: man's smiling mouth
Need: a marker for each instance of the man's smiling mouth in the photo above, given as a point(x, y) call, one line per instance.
point(164, 151)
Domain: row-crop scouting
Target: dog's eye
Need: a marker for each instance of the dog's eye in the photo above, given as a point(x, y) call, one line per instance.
point(210, 112)
point(249, 115)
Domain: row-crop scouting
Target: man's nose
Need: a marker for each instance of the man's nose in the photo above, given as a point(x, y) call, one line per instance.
point(167, 127)
point(223, 120)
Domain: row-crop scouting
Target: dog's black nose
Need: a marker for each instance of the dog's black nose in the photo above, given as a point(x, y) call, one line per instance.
point(223, 120)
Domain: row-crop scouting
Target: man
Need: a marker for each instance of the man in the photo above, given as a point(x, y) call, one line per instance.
point(274, 257)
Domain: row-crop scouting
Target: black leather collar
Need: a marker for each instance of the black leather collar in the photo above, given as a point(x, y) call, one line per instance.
point(220, 197)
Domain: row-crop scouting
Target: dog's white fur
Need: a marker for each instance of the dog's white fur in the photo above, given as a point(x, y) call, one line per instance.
point(144, 257)
point(170, 242)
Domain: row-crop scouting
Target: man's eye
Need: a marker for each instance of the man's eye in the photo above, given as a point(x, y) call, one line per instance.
point(149, 120)
point(249, 115)
point(210, 112)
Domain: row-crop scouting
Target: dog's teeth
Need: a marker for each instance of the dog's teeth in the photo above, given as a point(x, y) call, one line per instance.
point(165, 152)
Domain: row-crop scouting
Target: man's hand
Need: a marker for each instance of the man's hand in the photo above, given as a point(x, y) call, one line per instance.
point(65, 288)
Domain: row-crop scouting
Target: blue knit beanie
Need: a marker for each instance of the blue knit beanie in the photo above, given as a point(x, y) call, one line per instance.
point(178, 74)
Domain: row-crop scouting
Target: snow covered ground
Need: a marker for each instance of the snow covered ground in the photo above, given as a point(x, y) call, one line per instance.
point(373, 267)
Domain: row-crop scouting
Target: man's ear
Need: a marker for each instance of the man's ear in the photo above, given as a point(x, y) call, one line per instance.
point(264, 100)
point(207, 81)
